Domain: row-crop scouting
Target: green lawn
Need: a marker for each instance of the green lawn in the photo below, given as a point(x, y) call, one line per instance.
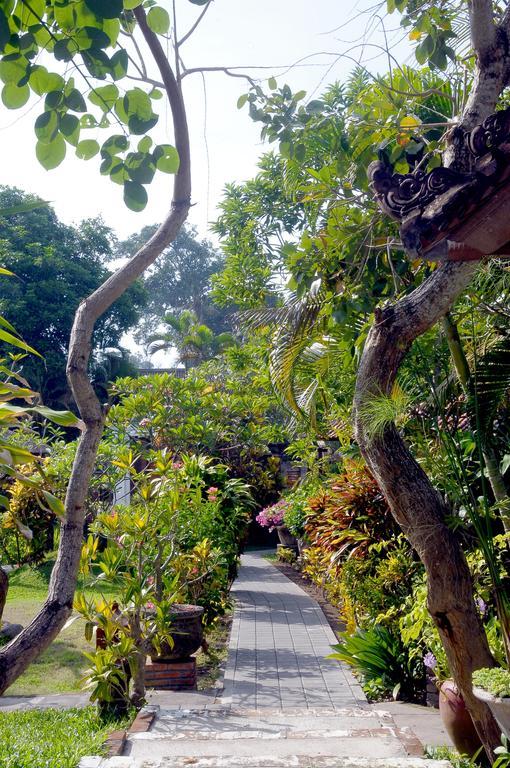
point(60, 668)
point(51, 738)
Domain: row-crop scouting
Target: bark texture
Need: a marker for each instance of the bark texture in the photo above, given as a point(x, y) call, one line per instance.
point(37, 636)
point(416, 505)
point(4, 586)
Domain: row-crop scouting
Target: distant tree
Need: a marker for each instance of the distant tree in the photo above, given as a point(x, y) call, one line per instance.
point(56, 266)
point(193, 341)
point(179, 280)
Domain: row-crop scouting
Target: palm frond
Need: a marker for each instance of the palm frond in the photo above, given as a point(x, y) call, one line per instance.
point(490, 382)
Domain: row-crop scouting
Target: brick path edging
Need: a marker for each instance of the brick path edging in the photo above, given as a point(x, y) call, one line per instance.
point(116, 741)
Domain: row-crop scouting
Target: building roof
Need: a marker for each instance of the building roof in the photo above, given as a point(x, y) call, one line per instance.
point(442, 206)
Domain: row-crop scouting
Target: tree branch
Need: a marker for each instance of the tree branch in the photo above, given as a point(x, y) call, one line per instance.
point(195, 25)
point(225, 70)
point(483, 28)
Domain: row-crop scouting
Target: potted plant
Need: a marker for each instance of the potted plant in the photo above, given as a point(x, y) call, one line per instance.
point(492, 685)
point(273, 517)
point(452, 708)
point(187, 634)
point(295, 518)
point(108, 678)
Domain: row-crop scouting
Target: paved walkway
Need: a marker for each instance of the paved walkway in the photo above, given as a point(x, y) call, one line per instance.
point(284, 705)
point(278, 647)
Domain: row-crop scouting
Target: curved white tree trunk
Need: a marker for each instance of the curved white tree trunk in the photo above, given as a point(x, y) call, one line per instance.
point(42, 630)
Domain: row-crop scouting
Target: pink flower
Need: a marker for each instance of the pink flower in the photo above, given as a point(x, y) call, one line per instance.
point(212, 493)
point(150, 606)
point(270, 517)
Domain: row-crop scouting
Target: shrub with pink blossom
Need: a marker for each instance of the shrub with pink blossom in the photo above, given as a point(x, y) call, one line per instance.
point(270, 517)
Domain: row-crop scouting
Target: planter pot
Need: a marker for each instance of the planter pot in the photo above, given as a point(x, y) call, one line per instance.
point(500, 708)
point(187, 634)
point(286, 537)
point(457, 720)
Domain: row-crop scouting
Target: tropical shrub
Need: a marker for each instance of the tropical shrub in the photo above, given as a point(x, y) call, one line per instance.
point(286, 555)
point(377, 582)
point(225, 409)
point(178, 541)
point(382, 661)
point(297, 511)
point(349, 515)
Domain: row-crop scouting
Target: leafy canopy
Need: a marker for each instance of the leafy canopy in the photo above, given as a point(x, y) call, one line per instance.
point(81, 85)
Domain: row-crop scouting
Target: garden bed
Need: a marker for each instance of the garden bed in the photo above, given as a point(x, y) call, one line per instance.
point(61, 667)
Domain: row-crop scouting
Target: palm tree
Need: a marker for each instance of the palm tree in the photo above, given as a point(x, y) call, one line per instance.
point(194, 342)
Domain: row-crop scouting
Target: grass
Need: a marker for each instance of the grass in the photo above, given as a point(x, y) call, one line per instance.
point(450, 754)
point(51, 738)
point(60, 668)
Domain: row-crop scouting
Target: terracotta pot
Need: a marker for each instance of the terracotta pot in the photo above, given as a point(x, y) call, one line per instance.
point(457, 720)
point(187, 633)
point(500, 708)
point(286, 537)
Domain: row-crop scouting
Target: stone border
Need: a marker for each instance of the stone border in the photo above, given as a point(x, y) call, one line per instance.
point(116, 741)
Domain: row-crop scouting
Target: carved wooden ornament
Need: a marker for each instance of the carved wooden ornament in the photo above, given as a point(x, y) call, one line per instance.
point(449, 215)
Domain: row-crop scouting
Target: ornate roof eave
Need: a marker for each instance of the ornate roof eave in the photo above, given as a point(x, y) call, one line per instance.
point(446, 214)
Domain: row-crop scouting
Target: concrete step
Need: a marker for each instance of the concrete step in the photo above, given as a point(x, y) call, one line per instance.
point(235, 734)
point(275, 761)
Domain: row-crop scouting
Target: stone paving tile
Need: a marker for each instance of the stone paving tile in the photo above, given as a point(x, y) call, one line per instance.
point(278, 646)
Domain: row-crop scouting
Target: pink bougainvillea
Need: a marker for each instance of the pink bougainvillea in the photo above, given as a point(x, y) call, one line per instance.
point(270, 517)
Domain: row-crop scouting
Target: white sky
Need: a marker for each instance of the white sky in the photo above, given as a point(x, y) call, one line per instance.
point(234, 33)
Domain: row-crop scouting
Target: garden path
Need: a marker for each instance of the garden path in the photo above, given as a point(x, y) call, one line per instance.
point(279, 645)
point(284, 703)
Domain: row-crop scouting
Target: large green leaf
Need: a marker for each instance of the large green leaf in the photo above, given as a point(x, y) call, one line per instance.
point(106, 9)
point(55, 505)
point(64, 418)
point(15, 96)
point(9, 338)
point(51, 155)
point(158, 20)
point(135, 196)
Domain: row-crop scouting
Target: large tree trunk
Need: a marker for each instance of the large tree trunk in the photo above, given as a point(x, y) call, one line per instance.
point(37, 636)
point(4, 586)
point(416, 505)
